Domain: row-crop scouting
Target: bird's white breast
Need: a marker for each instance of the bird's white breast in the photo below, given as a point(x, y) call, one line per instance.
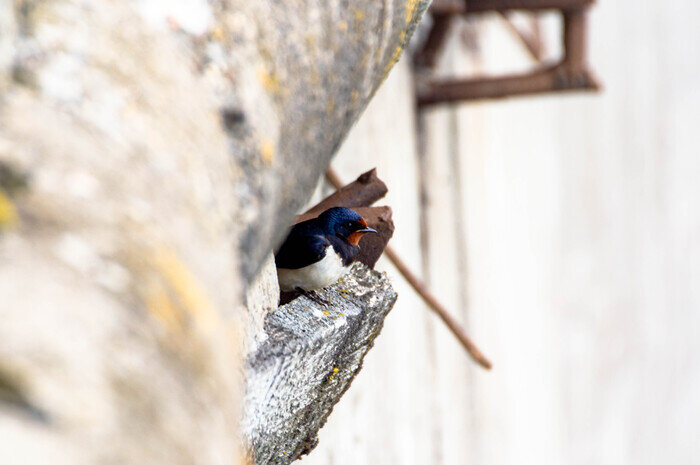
point(315, 276)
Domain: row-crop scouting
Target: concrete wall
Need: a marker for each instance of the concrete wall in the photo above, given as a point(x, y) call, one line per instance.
point(564, 231)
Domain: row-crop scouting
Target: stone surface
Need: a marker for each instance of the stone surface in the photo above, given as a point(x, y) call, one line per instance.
point(162, 148)
point(310, 354)
point(293, 77)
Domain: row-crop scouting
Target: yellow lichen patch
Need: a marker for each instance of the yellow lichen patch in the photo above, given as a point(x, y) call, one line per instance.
point(359, 14)
point(354, 97)
point(394, 58)
point(267, 151)
point(269, 81)
point(218, 33)
point(343, 25)
point(8, 212)
point(335, 371)
point(411, 7)
point(310, 40)
point(159, 304)
point(326, 313)
point(341, 314)
point(183, 289)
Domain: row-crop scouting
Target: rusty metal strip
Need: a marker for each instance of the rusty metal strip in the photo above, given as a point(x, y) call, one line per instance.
point(571, 73)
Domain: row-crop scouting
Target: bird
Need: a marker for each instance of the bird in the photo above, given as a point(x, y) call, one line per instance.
point(319, 251)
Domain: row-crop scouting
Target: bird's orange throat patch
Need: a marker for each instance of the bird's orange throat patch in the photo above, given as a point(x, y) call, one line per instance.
point(354, 238)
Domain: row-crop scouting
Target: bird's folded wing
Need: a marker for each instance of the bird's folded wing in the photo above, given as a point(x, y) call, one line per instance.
point(299, 251)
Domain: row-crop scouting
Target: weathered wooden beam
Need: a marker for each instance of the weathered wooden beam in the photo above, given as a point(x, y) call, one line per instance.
point(306, 362)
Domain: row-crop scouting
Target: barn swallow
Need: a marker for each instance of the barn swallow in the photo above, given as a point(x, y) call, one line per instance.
point(317, 252)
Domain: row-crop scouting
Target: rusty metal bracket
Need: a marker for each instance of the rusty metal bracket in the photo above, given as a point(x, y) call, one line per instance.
point(570, 73)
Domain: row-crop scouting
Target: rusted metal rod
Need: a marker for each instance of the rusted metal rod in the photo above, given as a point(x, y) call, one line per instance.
point(575, 39)
point(478, 6)
point(532, 41)
point(422, 290)
point(554, 79)
point(428, 55)
point(362, 192)
point(571, 73)
point(437, 307)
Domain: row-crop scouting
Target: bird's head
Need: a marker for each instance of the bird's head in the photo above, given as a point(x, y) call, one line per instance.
point(345, 223)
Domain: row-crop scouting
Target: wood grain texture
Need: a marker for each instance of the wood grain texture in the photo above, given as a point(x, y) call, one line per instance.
point(309, 356)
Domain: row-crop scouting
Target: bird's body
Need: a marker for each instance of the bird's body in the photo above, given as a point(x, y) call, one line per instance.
point(319, 251)
point(318, 275)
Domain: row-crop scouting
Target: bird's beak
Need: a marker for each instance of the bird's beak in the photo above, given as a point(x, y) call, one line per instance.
point(355, 237)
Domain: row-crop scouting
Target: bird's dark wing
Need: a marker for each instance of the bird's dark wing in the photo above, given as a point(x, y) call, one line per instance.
point(301, 249)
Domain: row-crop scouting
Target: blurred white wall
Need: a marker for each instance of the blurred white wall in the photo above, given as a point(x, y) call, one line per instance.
point(564, 231)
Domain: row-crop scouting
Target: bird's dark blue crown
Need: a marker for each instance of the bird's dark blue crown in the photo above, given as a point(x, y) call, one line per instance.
point(339, 220)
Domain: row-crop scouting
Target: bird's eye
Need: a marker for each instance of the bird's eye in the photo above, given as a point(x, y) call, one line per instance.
point(349, 224)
